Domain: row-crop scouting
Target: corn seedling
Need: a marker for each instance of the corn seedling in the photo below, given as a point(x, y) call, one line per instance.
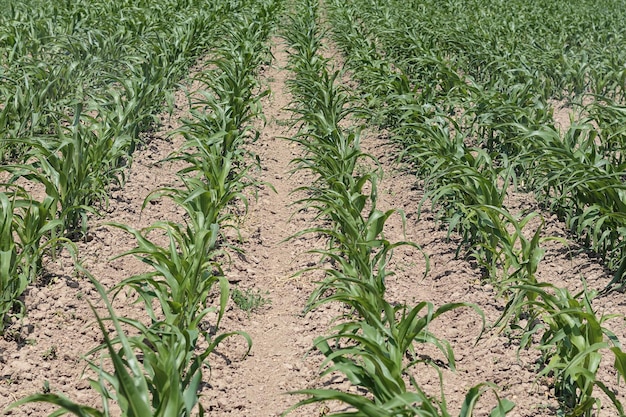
point(572, 340)
point(75, 167)
point(163, 383)
point(27, 232)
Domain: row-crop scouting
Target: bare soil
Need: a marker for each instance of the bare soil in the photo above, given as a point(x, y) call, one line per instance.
point(48, 347)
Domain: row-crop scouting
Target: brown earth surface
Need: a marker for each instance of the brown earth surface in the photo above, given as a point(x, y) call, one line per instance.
point(60, 329)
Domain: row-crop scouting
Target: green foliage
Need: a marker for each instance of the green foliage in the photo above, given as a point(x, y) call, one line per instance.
point(572, 338)
point(374, 338)
point(469, 103)
point(27, 232)
point(84, 79)
point(158, 370)
point(467, 98)
point(75, 168)
point(249, 300)
point(164, 382)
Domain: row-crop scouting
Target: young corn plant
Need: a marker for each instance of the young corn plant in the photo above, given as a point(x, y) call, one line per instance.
point(573, 341)
point(12, 281)
point(156, 373)
point(76, 168)
point(502, 247)
point(512, 102)
point(371, 350)
point(459, 177)
point(159, 371)
point(27, 231)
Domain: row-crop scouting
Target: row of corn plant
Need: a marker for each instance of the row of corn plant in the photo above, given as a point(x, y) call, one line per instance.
point(93, 123)
point(563, 47)
point(467, 185)
point(373, 339)
point(216, 172)
point(159, 370)
point(572, 334)
point(503, 120)
point(76, 99)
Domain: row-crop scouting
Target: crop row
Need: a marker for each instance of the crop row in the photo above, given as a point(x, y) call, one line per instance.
point(561, 48)
point(470, 143)
point(78, 87)
point(156, 368)
point(503, 132)
point(374, 337)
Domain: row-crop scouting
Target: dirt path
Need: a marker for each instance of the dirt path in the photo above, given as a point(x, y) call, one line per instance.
point(281, 336)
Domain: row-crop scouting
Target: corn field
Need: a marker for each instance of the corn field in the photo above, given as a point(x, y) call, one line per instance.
point(317, 208)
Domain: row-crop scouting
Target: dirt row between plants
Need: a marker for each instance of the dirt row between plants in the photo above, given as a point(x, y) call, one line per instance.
point(46, 352)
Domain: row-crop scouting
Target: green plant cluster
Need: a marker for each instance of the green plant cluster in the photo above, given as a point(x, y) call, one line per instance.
point(79, 82)
point(471, 138)
point(158, 370)
point(572, 338)
point(494, 132)
point(466, 184)
point(560, 48)
point(370, 344)
point(26, 231)
point(249, 300)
